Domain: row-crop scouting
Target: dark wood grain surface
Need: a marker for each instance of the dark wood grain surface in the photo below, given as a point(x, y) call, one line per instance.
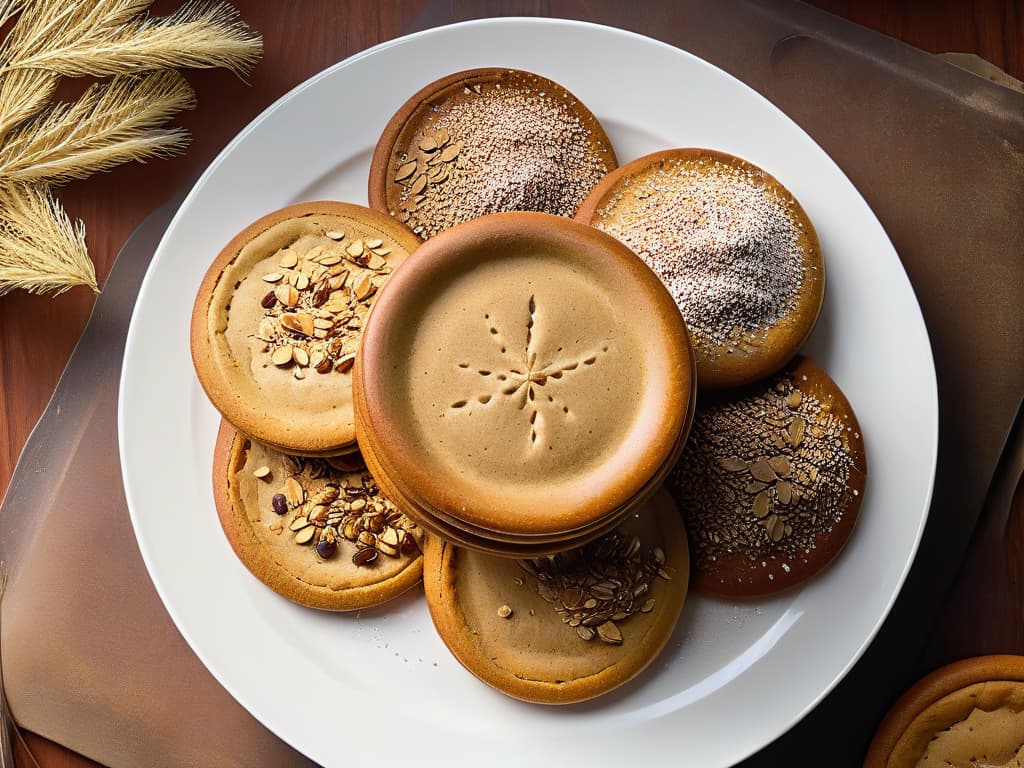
point(38, 334)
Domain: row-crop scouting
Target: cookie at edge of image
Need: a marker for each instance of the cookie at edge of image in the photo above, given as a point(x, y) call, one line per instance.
point(966, 715)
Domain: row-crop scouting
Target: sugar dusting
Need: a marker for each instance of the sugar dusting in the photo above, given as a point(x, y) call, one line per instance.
point(524, 149)
point(723, 242)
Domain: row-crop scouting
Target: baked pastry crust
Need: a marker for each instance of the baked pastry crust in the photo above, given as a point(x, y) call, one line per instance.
point(622, 203)
point(532, 654)
point(969, 713)
point(267, 546)
point(312, 416)
point(416, 120)
point(525, 374)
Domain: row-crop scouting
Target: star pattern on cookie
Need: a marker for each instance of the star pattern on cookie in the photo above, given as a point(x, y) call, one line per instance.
point(524, 381)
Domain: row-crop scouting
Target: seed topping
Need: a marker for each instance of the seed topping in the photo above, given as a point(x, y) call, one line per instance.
point(330, 509)
point(314, 315)
point(746, 485)
point(598, 586)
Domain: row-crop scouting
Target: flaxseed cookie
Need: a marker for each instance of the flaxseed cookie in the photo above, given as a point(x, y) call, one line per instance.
point(969, 714)
point(486, 141)
point(735, 249)
point(770, 483)
point(278, 318)
point(569, 627)
point(320, 536)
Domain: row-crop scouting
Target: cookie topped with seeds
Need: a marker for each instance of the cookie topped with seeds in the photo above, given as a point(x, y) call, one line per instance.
point(770, 483)
point(568, 627)
point(320, 536)
point(486, 141)
point(734, 247)
point(278, 318)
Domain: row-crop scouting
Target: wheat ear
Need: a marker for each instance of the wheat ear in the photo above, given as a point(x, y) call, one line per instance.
point(199, 34)
point(41, 249)
point(113, 122)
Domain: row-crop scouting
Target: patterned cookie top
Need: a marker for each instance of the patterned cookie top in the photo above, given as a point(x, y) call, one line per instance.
point(527, 374)
point(770, 483)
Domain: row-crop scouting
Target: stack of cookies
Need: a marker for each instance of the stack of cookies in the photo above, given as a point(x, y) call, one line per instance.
point(503, 421)
point(524, 384)
point(275, 330)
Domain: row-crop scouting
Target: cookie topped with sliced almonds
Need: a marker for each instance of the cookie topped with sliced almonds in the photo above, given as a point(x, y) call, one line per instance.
point(322, 536)
point(279, 316)
point(567, 627)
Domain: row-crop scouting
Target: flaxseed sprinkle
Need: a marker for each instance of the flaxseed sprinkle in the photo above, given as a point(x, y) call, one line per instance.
point(764, 475)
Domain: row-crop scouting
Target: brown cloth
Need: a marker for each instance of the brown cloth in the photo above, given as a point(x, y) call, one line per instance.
point(91, 659)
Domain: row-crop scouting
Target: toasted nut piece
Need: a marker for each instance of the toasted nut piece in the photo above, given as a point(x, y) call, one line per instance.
point(294, 492)
point(287, 295)
point(365, 556)
point(282, 356)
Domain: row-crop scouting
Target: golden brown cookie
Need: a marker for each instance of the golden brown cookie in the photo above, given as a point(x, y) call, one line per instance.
point(525, 375)
point(566, 628)
point(969, 714)
point(485, 141)
point(278, 318)
point(319, 536)
point(770, 483)
point(733, 246)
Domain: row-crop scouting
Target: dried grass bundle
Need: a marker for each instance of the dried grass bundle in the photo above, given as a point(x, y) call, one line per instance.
point(112, 123)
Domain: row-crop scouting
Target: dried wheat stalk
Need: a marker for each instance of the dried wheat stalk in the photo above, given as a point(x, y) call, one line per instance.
point(41, 249)
point(113, 123)
point(106, 37)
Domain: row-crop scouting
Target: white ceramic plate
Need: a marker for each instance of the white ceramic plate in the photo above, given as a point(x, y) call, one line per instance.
point(734, 676)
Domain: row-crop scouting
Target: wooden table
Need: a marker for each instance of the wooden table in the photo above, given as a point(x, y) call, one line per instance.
point(38, 334)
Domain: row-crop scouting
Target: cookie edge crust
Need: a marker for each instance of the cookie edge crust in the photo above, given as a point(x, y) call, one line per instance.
point(229, 457)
